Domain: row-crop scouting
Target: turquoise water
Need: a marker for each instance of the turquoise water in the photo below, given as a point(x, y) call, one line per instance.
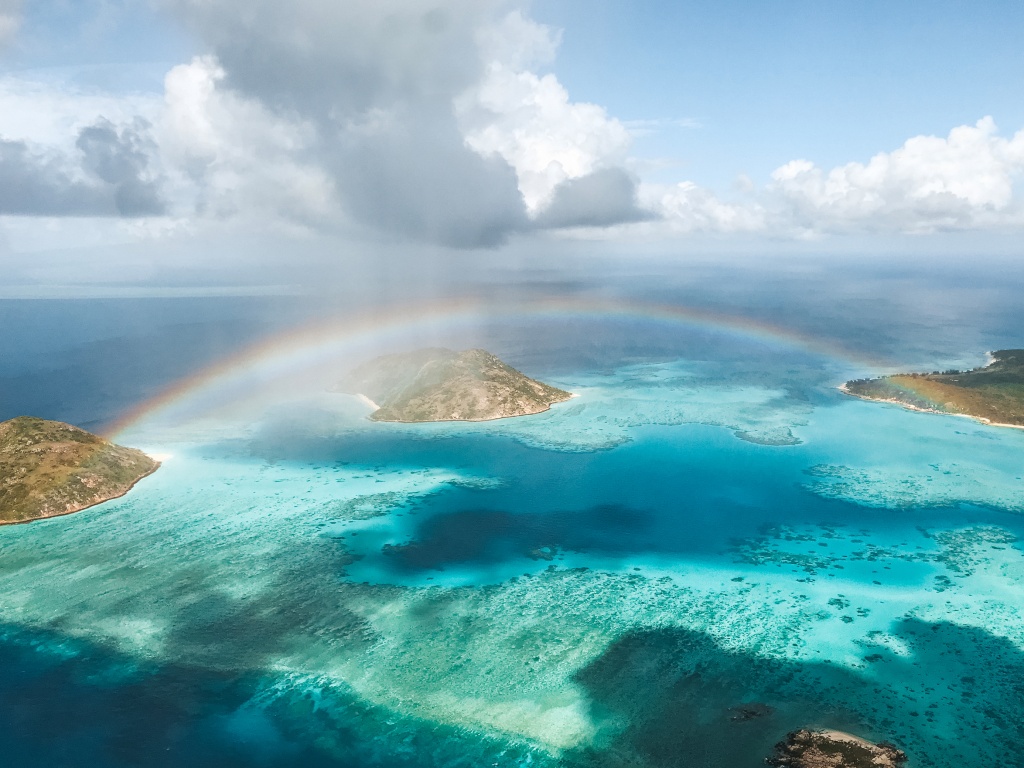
point(602, 584)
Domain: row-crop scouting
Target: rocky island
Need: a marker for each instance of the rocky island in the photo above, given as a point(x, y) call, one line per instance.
point(443, 385)
point(993, 393)
point(48, 468)
point(834, 749)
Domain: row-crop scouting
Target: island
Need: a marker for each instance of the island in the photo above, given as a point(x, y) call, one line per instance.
point(993, 393)
point(440, 384)
point(834, 749)
point(49, 468)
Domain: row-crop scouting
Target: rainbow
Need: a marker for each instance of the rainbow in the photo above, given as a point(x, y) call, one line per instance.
point(307, 347)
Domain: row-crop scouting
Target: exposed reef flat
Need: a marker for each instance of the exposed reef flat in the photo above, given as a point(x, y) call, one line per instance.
point(993, 393)
point(443, 385)
point(48, 468)
point(834, 749)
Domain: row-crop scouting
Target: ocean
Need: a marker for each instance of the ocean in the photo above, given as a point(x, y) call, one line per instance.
point(708, 547)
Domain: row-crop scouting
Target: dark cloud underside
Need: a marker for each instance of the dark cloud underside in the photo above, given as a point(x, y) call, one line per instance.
point(600, 199)
point(107, 178)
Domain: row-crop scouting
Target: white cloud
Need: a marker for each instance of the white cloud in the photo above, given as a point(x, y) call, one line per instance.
point(232, 156)
point(528, 119)
point(518, 42)
point(437, 121)
point(686, 208)
point(963, 181)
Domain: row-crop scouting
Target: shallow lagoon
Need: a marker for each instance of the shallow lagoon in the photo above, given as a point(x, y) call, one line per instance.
point(598, 585)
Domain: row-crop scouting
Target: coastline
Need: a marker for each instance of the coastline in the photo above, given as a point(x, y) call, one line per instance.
point(123, 493)
point(368, 401)
point(980, 419)
point(849, 738)
point(472, 421)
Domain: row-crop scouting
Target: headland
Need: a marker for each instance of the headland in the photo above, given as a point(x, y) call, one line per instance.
point(993, 394)
point(49, 469)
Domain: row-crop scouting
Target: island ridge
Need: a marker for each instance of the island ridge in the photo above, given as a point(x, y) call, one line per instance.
point(440, 384)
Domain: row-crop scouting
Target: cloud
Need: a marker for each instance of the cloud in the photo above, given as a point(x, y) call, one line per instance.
point(372, 85)
point(230, 156)
point(686, 208)
point(604, 198)
point(414, 176)
point(424, 120)
point(425, 117)
point(528, 119)
point(341, 59)
point(120, 158)
point(963, 181)
point(10, 21)
point(431, 121)
point(518, 42)
point(48, 111)
point(108, 177)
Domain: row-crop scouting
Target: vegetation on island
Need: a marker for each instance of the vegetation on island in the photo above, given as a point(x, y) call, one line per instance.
point(443, 385)
point(48, 468)
point(834, 749)
point(992, 393)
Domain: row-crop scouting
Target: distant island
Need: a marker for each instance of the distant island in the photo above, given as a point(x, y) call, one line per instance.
point(993, 393)
point(48, 468)
point(834, 749)
point(443, 385)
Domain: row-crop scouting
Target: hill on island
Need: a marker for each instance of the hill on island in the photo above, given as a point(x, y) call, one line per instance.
point(834, 749)
point(993, 393)
point(48, 468)
point(443, 385)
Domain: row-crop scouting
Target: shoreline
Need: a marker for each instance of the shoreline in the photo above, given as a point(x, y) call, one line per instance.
point(124, 493)
point(367, 401)
point(469, 421)
point(910, 407)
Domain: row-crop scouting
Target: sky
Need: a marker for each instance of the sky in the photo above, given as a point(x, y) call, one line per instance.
point(219, 142)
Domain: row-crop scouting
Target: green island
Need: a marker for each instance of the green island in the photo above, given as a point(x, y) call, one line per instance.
point(993, 393)
point(439, 384)
point(834, 749)
point(48, 468)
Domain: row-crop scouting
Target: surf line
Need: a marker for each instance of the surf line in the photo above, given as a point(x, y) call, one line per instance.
point(305, 347)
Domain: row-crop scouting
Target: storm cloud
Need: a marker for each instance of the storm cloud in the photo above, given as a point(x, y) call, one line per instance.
point(107, 176)
point(377, 83)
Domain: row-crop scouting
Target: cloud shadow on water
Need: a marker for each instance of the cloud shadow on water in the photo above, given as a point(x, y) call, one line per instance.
point(676, 696)
point(953, 701)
